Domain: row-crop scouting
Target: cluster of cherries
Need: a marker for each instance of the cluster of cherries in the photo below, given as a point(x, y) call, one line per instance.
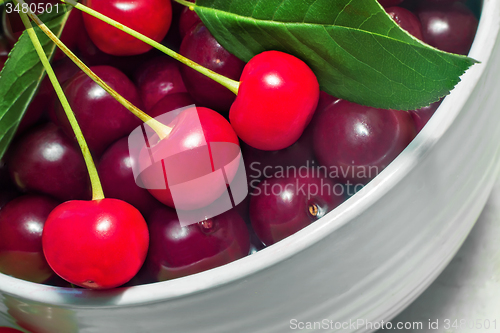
point(279, 118)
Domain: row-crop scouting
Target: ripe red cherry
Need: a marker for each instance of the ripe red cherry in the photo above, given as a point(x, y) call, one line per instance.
point(188, 159)
point(102, 119)
point(117, 178)
point(47, 161)
point(169, 103)
point(406, 20)
point(156, 79)
point(149, 17)
point(448, 27)
point(177, 251)
point(188, 20)
point(97, 244)
point(357, 142)
point(21, 224)
point(277, 97)
point(264, 163)
point(281, 206)
point(421, 116)
point(201, 47)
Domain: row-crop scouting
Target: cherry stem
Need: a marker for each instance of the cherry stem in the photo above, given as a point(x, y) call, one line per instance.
point(189, 4)
point(232, 85)
point(159, 128)
point(97, 192)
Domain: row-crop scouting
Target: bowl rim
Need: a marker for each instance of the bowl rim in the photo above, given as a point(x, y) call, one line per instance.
point(444, 116)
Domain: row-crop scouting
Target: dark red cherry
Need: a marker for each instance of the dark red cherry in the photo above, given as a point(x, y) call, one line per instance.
point(90, 53)
point(265, 164)
point(186, 160)
point(177, 251)
point(102, 119)
point(169, 103)
point(388, 3)
point(277, 97)
point(448, 27)
point(21, 225)
point(47, 161)
point(188, 20)
point(357, 142)
point(149, 17)
point(325, 100)
point(281, 206)
point(406, 20)
point(157, 78)
point(117, 178)
point(96, 244)
point(201, 47)
point(421, 116)
point(262, 163)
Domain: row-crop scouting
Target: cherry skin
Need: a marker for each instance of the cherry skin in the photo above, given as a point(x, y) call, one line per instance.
point(277, 97)
point(263, 163)
point(201, 47)
point(406, 20)
point(21, 224)
point(102, 119)
point(157, 78)
point(283, 205)
point(421, 116)
point(325, 100)
point(149, 17)
point(117, 178)
point(96, 244)
point(448, 27)
point(187, 21)
point(357, 142)
point(47, 161)
point(189, 159)
point(177, 251)
point(169, 103)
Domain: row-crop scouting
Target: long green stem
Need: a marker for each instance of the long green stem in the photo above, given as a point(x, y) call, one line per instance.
point(226, 82)
point(186, 3)
point(97, 192)
point(159, 128)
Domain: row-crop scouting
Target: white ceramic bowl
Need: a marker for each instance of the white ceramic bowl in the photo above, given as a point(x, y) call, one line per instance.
point(365, 261)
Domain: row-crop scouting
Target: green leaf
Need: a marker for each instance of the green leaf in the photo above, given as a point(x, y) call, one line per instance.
point(355, 49)
point(22, 75)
